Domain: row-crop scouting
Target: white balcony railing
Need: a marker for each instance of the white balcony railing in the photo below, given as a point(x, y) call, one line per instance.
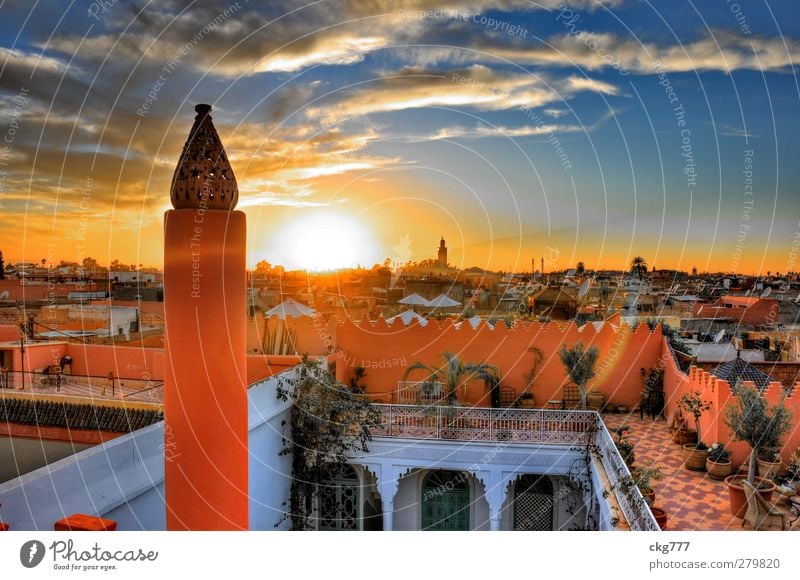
point(477, 424)
point(525, 426)
point(630, 499)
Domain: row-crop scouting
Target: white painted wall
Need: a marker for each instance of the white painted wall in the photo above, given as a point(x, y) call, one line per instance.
point(270, 473)
point(406, 503)
point(95, 481)
point(123, 479)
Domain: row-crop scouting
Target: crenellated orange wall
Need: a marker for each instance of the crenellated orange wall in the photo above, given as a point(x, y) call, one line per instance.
point(314, 336)
point(719, 394)
point(386, 351)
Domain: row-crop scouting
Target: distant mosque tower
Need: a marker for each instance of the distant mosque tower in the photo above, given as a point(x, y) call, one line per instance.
point(441, 261)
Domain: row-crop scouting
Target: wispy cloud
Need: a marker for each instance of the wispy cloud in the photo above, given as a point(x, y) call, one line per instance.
point(555, 113)
point(506, 132)
point(478, 87)
point(719, 50)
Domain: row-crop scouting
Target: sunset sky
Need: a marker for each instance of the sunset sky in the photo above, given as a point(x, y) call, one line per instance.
point(515, 129)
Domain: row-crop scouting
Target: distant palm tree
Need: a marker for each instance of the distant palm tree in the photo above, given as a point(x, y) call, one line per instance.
point(639, 266)
point(580, 268)
point(454, 373)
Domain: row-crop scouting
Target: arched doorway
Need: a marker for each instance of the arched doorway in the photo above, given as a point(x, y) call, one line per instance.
point(445, 501)
point(339, 502)
point(533, 503)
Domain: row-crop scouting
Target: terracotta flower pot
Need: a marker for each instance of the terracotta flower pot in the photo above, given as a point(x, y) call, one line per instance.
point(736, 493)
point(661, 517)
point(649, 495)
point(595, 399)
point(718, 470)
point(694, 459)
point(685, 436)
point(768, 469)
point(527, 403)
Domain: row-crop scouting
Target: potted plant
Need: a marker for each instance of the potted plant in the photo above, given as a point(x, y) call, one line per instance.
point(644, 477)
point(718, 464)
point(526, 401)
point(596, 399)
point(641, 479)
point(769, 463)
point(789, 485)
point(753, 421)
point(451, 375)
point(579, 363)
point(660, 516)
point(794, 466)
point(682, 434)
point(695, 454)
point(624, 445)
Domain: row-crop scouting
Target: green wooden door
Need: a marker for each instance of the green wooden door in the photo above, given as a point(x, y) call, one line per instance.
point(445, 501)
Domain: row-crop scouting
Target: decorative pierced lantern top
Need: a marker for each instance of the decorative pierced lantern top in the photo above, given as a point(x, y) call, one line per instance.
point(204, 177)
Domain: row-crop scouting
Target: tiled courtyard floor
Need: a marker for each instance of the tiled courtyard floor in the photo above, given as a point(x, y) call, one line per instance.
point(692, 500)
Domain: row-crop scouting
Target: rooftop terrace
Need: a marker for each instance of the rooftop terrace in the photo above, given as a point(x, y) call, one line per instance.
point(692, 500)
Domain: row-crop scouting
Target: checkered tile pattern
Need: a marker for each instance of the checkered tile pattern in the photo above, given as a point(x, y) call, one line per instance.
point(692, 500)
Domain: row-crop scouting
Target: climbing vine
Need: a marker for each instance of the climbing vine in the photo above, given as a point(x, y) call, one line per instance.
point(328, 422)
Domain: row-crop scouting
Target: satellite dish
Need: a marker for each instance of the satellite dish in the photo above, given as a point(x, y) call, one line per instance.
point(4, 295)
point(584, 288)
point(767, 291)
point(720, 335)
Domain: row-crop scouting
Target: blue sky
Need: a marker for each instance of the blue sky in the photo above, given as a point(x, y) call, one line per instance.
point(515, 129)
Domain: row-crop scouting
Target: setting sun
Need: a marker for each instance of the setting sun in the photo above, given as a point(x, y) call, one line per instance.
point(324, 241)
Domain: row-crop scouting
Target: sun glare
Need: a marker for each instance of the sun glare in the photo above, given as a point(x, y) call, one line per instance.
point(325, 242)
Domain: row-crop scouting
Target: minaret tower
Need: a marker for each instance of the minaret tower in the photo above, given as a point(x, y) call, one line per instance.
point(441, 260)
point(205, 387)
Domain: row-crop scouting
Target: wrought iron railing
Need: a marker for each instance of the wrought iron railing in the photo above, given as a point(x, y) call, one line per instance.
point(528, 426)
point(93, 387)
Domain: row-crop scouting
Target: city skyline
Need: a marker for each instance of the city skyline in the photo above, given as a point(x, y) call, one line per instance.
point(589, 132)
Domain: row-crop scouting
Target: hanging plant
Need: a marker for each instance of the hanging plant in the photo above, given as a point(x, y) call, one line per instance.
point(328, 422)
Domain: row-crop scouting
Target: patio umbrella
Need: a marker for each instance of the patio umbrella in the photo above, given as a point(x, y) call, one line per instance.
point(407, 317)
point(290, 307)
point(414, 300)
point(443, 301)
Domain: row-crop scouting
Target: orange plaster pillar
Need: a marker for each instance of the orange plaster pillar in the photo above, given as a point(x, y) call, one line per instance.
point(205, 388)
point(205, 391)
